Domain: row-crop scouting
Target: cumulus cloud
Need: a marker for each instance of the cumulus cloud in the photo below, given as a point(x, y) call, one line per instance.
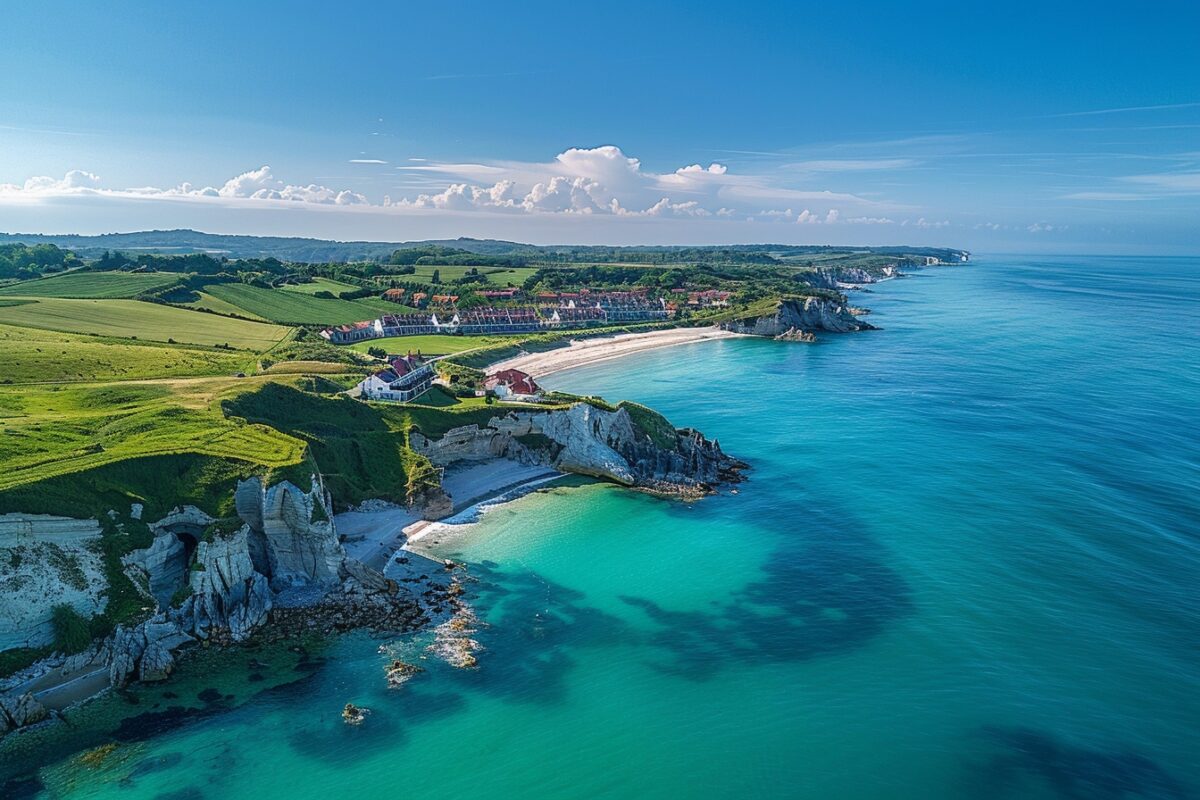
point(600, 180)
point(1042, 227)
point(923, 223)
point(256, 184)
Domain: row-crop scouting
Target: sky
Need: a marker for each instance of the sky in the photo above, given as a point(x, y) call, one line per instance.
point(1031, 127)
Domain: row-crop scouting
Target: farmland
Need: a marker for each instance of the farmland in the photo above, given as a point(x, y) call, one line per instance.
point(32, 355)
point(128, 319)
point(93, 285)
point(431, 345)
point(319, 285)
point(298, 308)
point(496, 276)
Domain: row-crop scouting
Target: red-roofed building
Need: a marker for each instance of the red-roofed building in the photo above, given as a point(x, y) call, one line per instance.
point(405, 379)
point(513, 384)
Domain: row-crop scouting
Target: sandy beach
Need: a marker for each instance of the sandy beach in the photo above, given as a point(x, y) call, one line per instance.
point(590, 351)
point(372, 536)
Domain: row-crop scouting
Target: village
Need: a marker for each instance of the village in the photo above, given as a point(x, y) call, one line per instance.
point(512, 311)
point(409, 376)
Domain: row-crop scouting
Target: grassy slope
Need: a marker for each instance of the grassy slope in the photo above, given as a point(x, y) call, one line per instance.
point(31, 355)
point(433, 345)
point(209, 303)
point(93, 285)
point(281, 305)
point(134, 319)
point(47, 430)
point(320, 285)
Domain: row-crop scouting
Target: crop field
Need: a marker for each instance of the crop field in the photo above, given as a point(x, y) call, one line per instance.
point(431, 345)
point(319, 285)
point(127, 319)
point(47, 431)
point(93, 285)
point(209, 303)
point(496, 276)
point(32, 355)
point(281, 305)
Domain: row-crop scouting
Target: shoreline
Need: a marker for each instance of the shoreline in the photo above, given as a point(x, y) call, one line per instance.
point(585, 352)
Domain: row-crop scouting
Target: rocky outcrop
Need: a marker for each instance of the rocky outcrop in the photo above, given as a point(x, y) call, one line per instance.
point(227, 592)
point(19, 711)
point(801, 313)
point(146, 651)
point(292, 535)
point(39, 571)
point(587, 440)
point(840, 277)
point(160, 569)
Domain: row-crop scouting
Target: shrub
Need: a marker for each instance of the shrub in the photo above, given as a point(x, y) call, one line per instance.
point(71, 631)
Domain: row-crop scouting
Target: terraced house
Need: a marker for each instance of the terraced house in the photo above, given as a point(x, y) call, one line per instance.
point(406, 378)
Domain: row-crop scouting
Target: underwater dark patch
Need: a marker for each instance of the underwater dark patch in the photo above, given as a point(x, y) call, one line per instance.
point(24, 788)
point(1069, 771)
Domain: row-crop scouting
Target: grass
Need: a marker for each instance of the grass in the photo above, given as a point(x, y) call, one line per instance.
point(496, 276)
point(32, 355)
point(49, 430)
point(209, 303)
point(93, 285)
point(298, 308)
point(432, 344)
point(134, 319)
point(361, 449)
point(320, 285)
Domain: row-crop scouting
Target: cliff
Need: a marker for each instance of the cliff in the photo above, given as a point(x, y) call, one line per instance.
point(802, 314)
point(630, 445)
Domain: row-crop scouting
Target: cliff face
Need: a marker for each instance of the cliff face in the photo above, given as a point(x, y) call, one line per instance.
point(591, 441)
point(804, 314)
point(836, 277)
point(44, 561)
point(291, 532)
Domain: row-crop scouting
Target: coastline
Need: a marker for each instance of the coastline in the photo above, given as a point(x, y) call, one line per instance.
point(584, 352)
point(374, 535)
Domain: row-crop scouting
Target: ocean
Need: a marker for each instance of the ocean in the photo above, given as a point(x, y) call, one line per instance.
point(965, 564)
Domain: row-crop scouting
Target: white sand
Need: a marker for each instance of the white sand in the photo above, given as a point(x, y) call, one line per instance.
point(373, 536)
point(582, 352)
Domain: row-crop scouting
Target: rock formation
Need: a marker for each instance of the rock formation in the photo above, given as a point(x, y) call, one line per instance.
point(592, 441)
point(46, 561)
point(292, 533)
point(802, 313)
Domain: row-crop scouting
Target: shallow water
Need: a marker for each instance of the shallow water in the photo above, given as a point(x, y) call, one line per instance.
point(964, 566)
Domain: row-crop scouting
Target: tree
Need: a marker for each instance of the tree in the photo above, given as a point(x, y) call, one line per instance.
point(437, 276)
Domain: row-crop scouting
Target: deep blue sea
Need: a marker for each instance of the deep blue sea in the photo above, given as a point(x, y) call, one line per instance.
point(966, 564)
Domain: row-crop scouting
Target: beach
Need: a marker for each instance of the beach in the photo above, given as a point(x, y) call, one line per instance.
point(583, 352)
point(374, 533)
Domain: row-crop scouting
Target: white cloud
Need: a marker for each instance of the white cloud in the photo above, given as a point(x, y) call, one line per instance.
point(578, 181)
point(1173, 182)
point(1042, 227)
point(923, 223)
point(870, 221)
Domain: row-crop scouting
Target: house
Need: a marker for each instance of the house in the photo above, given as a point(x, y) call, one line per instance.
point(354, 332)
point(394, 295)
point(407, 324)
point(512, 384)
point(444, 300)
point(405, 378)
point(500, 294)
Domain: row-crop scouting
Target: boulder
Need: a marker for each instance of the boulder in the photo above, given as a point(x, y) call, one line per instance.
point(17, 711)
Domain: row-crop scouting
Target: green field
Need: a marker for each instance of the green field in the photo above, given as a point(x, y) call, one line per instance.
point(496, 276)
point(320, 285)
point(209, 303)
point(32, 355)
point(431, 345)
point(93, 285)
point(298, 308)
point(47, 431)
point(128, 319)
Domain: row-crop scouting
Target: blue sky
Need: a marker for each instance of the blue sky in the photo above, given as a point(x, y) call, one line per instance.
point(1033, 127)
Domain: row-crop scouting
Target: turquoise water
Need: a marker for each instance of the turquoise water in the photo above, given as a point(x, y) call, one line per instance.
point(965, 566)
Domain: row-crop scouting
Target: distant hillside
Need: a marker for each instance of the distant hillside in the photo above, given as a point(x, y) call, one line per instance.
point(303, 250)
